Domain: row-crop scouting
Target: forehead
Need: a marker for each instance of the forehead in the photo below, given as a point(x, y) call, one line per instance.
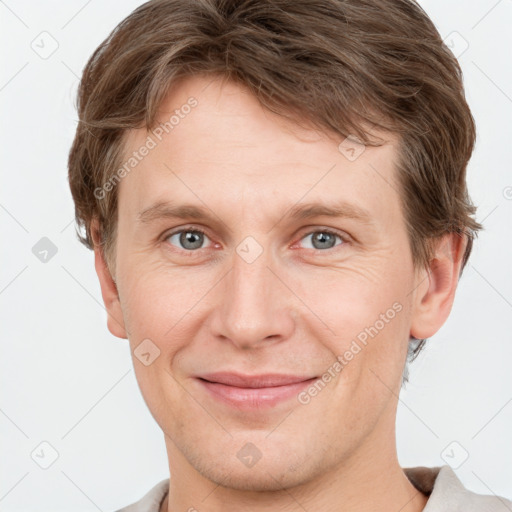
point(214, 143)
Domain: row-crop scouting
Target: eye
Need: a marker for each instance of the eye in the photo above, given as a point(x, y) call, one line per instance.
point(187, 239)
point(323, 239)
point(192, 239)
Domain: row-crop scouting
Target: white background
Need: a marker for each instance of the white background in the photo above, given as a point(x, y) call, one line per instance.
point(67, 381)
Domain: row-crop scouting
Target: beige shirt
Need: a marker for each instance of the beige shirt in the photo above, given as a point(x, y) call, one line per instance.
point(446, 494)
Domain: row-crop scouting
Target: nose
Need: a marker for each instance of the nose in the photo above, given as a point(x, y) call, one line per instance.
point(255, 307)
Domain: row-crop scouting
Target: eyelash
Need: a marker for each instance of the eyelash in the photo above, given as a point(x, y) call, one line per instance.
point(344, 238)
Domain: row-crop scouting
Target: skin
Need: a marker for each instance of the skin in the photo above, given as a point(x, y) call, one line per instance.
point(293, 310)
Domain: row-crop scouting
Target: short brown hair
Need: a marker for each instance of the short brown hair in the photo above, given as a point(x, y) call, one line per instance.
point(342, 65)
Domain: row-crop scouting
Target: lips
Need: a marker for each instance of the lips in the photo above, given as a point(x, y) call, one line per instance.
point(254, 381)
point(249, 392)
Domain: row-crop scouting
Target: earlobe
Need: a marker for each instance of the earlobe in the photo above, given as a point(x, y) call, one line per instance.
point(436, 286)
point(109, 292)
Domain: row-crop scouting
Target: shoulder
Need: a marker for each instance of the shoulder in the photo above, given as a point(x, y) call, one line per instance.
point(447, 493)
point(151, 501)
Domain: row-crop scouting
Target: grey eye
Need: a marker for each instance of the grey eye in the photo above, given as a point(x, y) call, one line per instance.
point(322, 239)
point(188, 239)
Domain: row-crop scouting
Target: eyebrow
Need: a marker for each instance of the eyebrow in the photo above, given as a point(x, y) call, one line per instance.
point(168, 210)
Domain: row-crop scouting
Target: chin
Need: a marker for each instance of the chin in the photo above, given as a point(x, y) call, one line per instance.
point(267, 477)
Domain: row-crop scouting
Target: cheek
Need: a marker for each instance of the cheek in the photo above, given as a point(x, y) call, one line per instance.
point(347, 300)
point(157, 297)
point(365, 314)
point(162, 305)
point(156, 305)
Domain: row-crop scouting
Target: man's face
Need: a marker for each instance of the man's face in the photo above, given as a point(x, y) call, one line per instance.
point(265, 290)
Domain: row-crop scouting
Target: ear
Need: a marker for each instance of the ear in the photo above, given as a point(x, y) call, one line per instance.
point(115, 319)
point(434, 295)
